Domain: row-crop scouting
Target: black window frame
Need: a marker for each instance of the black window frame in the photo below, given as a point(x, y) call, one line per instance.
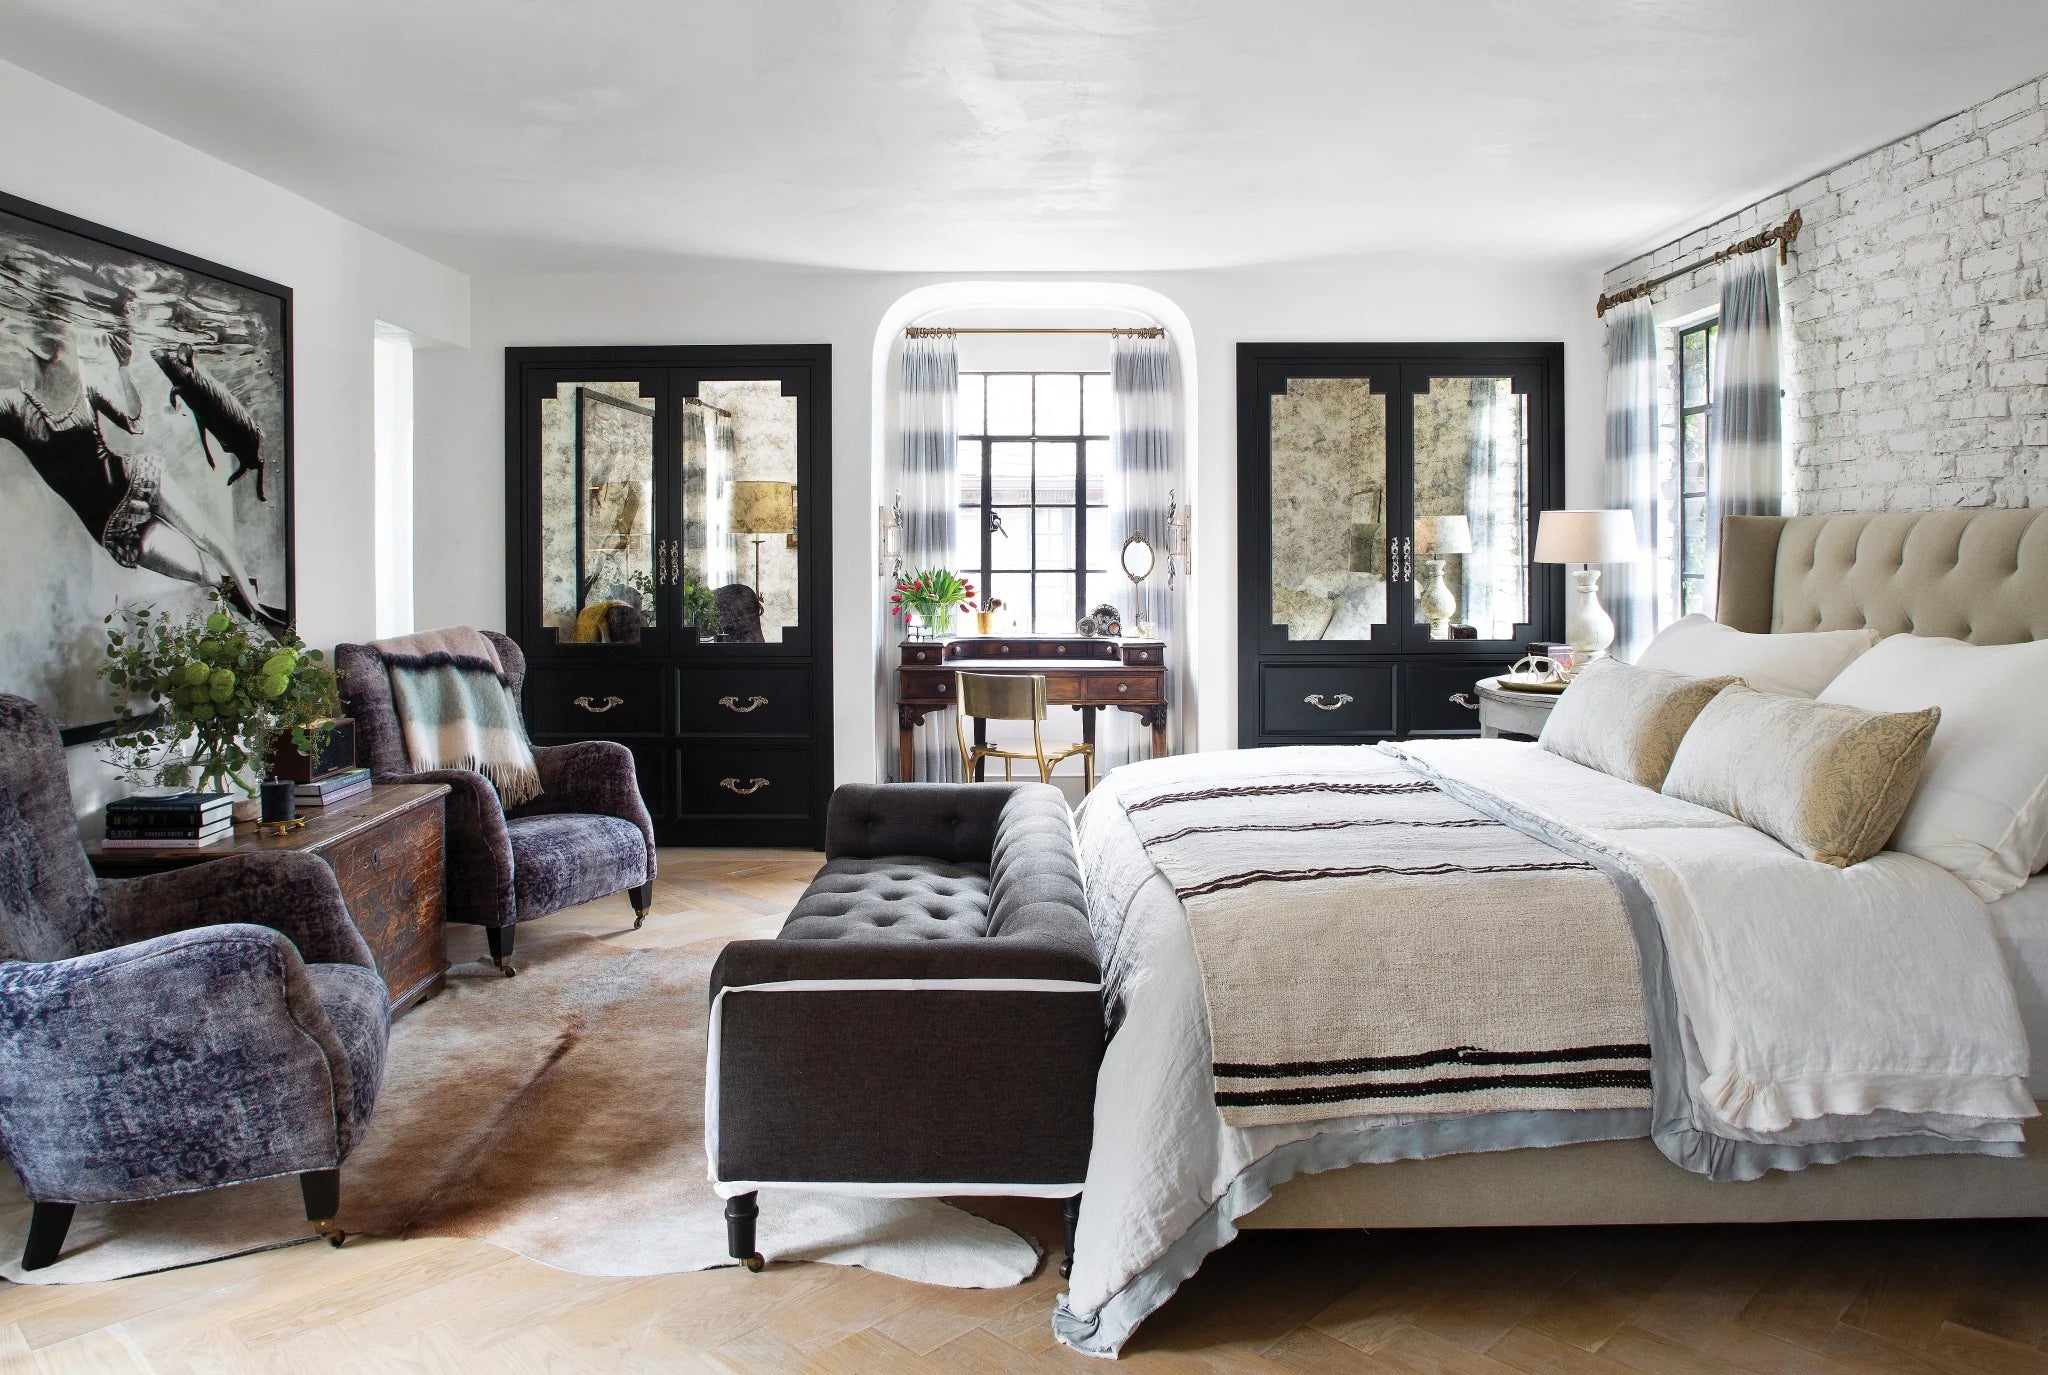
point(980, 573)
point(1687, 570)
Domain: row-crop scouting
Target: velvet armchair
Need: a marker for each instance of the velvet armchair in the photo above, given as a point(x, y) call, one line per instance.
point(213, 1025)
point(586, 836)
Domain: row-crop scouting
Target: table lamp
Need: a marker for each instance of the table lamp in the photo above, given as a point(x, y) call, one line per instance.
point(761, 509)
point(1441, 537)
point(1587, 537)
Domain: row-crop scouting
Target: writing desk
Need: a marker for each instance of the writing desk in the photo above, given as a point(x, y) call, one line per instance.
point(1084, 672)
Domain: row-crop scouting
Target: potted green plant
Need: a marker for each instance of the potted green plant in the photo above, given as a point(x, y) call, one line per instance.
point(202, 701)
point(931, 594)
point(700, 608)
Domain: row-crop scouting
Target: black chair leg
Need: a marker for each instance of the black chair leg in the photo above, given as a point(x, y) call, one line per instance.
point(501, 938)
point(740, 1212)
point(47, 1225)
point(643, 898)
point(322, 1192)
point(1070, 1222)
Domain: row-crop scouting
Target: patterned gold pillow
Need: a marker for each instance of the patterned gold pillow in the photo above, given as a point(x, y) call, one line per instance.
point(1626, 721)
point(1830, 782)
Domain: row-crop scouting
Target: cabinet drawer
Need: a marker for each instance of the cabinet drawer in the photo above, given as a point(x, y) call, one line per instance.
point(744, 701)
point(594, 699)
point(1427, 691)
point(1326, 699)
point(750, 781)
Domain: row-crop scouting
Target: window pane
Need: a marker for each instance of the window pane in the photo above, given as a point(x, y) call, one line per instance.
point(1055, 474)
point(1013, 590)
point(967, 539)
point(1694, 548)
point(1692, 362)
point(970, 470)
point(1103, 543)
point(1695, 472)
point(1010, 465)
point(1009, 542)
point(1055, 613)
point(1059, 403)
point(1009, 403)
point(1100, 460)
point(1055, 537)
point(968, 417)
point(1115, 589)
point(1098, 407)
point(1692, 597)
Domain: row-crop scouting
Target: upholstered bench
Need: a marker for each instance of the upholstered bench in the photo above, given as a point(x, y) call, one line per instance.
point(929, 1020)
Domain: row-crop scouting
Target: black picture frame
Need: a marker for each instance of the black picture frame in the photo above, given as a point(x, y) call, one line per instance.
point(116, 261)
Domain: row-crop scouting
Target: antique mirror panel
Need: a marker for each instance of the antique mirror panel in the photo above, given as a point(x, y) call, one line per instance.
point(1329, 464)
point(1471, 508)
point(600, 562)
point(740, 570)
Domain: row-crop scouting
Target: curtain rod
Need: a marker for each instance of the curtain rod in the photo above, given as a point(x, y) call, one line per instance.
point(1782, 235)
point(1130, 331)
point(699, 401)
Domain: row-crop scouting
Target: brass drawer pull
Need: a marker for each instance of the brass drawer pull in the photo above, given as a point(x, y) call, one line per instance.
point(1315, 699)
point(1123, 687)
point(747, 789)
point(600, 708)
point(754, 703)
point(1465, 700)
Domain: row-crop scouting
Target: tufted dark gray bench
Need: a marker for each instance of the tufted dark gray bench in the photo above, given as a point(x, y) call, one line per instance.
point(929, 1020)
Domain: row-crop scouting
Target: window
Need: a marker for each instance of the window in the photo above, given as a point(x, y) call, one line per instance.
point(1697, 347)
point(1034, 510)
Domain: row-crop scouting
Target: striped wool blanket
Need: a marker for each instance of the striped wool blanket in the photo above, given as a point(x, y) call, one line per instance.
point(456, 710)
point(1370, 945)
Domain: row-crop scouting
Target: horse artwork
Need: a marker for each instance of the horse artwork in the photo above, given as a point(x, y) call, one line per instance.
point(128, 372)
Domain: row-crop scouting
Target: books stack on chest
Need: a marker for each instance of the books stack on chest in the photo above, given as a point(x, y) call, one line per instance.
point(345, 786)
point(178, 821)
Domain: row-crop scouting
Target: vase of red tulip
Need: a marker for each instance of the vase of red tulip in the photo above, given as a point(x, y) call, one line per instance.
point(926, 600)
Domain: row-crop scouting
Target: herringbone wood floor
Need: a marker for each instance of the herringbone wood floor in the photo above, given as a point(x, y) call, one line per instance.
point(1930, 1297)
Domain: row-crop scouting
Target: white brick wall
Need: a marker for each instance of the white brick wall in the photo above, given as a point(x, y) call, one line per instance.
point(1918, 355)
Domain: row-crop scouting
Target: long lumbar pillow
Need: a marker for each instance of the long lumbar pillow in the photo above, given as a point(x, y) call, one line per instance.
point(1982, 809)
point(1829, 782)
point(1626, 721)
point(1797, 664)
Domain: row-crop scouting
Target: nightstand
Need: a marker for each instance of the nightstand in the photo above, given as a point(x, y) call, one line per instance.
point(1503, 711)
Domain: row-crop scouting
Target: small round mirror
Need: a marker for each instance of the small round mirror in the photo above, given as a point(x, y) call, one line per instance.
point(1137, 557)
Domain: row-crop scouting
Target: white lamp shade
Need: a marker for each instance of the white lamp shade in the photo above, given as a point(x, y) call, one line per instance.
point(1586, 537)
point(1444, 536)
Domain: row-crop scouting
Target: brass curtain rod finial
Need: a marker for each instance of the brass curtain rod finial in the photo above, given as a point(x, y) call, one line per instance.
point(1782, 235)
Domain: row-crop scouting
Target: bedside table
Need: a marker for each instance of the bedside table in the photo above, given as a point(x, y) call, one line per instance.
point(1503, 711)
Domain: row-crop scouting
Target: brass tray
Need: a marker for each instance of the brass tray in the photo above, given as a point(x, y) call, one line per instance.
point(1530, 682)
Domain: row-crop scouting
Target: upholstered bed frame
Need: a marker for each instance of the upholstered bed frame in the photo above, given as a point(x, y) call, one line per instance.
point(1980, 576)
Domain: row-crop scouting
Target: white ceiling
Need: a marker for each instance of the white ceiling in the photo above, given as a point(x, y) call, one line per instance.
point(1065, 135)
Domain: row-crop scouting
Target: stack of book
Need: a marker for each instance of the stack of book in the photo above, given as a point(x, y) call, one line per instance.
point(177, 821)
point(336, 787)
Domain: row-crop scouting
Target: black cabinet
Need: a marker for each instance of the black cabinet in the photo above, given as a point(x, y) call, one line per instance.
point(668, 528)
point(1388, 496)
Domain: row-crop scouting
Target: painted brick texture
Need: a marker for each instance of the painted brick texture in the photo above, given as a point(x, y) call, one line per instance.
point(1918, 355)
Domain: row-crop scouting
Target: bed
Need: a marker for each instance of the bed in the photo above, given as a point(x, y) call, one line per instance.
point(1976, 576)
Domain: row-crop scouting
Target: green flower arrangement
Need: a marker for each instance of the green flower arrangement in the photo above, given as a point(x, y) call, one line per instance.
point(217, 683)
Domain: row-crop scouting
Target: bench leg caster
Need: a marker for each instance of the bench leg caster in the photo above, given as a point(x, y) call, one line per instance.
point(642, 898)
point(322, 1191)
point(1070, 1222)
point(501, 938)
point(740, 1212)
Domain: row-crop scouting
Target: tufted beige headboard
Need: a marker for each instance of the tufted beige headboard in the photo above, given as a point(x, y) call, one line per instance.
point(1978, 575)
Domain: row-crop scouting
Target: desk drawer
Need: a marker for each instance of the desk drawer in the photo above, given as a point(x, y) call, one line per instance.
point(1326, 699)
point(594, 699)
point(1104, 687)
point(745, 701)
point(1427, 690)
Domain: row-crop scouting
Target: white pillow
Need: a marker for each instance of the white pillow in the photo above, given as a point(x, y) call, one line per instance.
point(1982, 809)
point(1793, 665)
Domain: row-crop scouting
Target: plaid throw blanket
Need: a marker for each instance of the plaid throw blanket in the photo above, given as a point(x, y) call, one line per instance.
point(456, 711)
point(1370, 945)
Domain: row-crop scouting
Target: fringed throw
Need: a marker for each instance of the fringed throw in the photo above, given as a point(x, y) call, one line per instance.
point(456, 711)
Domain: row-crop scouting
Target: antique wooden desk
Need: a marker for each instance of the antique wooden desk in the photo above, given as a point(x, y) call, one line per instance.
point(386, 849)
point(1081, 672)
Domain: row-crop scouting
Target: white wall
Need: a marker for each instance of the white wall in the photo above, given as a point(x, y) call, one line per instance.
point(460, 399)
point(67, 153)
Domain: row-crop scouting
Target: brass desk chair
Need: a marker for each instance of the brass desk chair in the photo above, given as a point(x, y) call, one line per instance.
point(1011, 697)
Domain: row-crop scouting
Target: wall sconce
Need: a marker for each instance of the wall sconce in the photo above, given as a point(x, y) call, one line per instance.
point(889, 528)
point(1179, 538)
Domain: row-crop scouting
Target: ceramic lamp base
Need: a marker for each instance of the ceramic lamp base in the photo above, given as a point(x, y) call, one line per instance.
point(1588, 629)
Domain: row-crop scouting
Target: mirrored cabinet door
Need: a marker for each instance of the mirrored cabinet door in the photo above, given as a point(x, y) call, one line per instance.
point(1330, 441)
point(1469, 518)
point(741, 574)
point(602, 556)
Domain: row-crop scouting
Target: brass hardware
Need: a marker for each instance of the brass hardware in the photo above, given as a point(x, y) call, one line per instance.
point(944, 686)
point(1465, 700)
point(754, 703)
point(1315, 699)
point(599, 708)
point(1123, 687)
point(748, 789)
point(1780, 234)
point(328, 1232)
point(919, 656)
point(280, 828)
point(1060, 649)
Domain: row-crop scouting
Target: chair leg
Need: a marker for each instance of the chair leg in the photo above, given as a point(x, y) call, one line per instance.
point(643, 898)
point(47, 1225)
point(322, 1191)
point(501, 938)
point(1070, 1222)
point(740, 1212)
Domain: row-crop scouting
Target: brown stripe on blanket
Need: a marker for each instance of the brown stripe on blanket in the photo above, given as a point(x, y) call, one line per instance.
point(1604, 1081)
point(1417, 785)
point(1463, 1055)
point(1455, 823)
point(1245, 880)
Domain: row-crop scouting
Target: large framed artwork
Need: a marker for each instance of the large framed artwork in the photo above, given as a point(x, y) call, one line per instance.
point(145, 447)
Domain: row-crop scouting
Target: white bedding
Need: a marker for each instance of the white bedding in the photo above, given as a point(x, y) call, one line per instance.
point(1167, 1177)
point(2020, 921)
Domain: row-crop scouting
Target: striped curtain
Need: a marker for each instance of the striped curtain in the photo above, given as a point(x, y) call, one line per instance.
point(1630, 477)
point(1143, 480)
point(1747, 475)
point(928, 477)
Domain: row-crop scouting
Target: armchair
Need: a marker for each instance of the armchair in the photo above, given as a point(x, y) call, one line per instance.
point(160, 1035)
point(586, 836)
